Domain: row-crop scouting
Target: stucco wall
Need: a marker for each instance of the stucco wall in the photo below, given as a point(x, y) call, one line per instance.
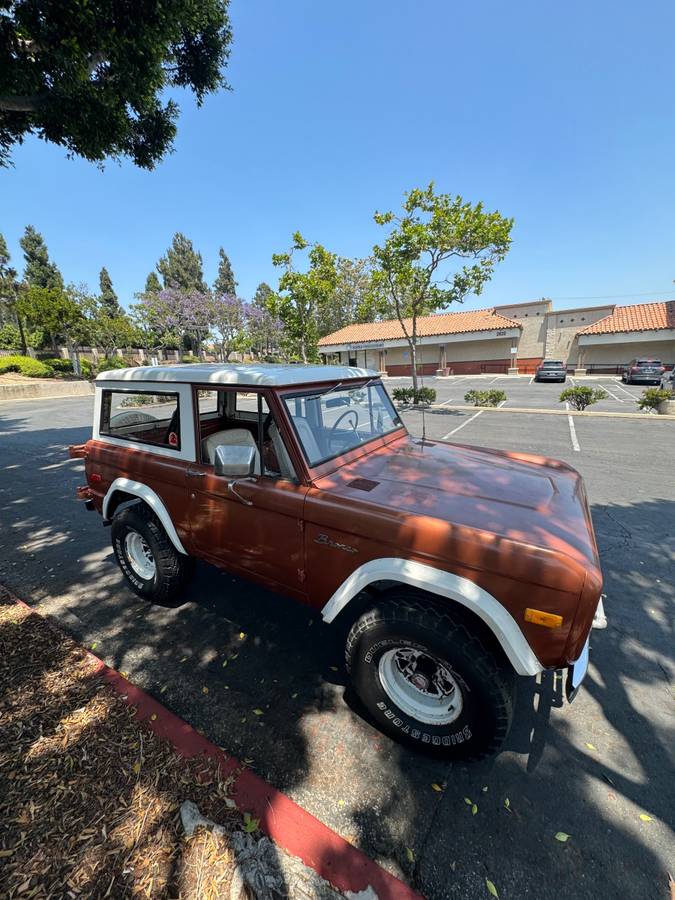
point(562, 328)
point(619, 354)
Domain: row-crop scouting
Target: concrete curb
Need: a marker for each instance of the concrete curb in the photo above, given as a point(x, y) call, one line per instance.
point(49, 391)
point(287, 824)
point(541, 412)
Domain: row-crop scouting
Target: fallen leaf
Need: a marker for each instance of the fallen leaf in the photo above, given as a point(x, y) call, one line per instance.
point(474, 809)
point(561, 836)
point(163, 689)
point(4, 853)
point(409, 853)
point(341, 802)
point(136, 768)
point(250, 824)
point(591, 747)
point(183, 659)
point(205, 690)
point(507, 804)
point(333, 668)
point(224, 664)
point(645, 817)
point(437, 787)
point(242, 635)
point(258, 712)
point(293, 696)
point(468, 802)
point(94, 645)
point(484, 789)
point(491, 888)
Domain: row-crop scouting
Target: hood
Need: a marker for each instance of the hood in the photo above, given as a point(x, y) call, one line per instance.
point(525, 499)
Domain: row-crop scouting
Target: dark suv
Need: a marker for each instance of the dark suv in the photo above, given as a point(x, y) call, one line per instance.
point(551, 370)
point(643, 371)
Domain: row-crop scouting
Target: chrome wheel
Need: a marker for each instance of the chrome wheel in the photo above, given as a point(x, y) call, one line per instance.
point(139, 555)
point(420, 685)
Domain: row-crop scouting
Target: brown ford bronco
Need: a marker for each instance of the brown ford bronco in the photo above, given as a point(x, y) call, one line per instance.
point(449, 568)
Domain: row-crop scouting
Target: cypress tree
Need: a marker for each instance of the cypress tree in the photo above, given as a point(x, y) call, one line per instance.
point(181, 267)
point(39, 270)
point(224, 283)
point(108, 298)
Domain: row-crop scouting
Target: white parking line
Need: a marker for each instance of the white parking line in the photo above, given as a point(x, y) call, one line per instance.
point(445, 401)
point(531, 380)
point(495, 379)
point(611, 394)
point(466, 422)
point(573, 432)
point(620, 387)
point(573, 381)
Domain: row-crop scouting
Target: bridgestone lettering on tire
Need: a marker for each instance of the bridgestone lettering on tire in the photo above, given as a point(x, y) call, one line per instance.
point(416, 629)
point(171, 568)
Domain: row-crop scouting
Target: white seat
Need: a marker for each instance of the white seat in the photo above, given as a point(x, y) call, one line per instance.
point(238, 437)
point(312, 450)
point(284, 460)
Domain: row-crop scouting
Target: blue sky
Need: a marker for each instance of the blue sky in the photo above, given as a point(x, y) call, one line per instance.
point(561, 116)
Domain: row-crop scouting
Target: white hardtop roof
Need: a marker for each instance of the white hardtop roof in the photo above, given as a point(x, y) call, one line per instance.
point(227, 373)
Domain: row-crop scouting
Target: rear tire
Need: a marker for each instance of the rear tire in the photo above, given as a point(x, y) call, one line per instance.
point(427, 681)
point(152, 566)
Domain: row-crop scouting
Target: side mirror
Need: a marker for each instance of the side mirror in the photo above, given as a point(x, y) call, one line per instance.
point(234, 461)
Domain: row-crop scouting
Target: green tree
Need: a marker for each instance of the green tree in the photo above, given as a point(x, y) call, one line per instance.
point(9, 292)
point(60, 312)
point(152, 284)
point(182, 267)
point(39, 270)
point(439, 250)
point(302, 295)
point(224, 283)
point(262, 293)
point(108, 302)
point(353, 298)
point(93, 76)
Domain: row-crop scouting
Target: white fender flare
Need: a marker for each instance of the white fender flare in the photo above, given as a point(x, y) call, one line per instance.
point(444, 584)
point(143, 492)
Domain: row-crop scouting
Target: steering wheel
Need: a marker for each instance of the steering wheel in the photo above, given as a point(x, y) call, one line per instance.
point(354, 424)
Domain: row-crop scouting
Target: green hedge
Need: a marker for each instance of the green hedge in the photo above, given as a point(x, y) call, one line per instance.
point(25, 365)
point(423, 395)
point(63, 366)
point(492, 397)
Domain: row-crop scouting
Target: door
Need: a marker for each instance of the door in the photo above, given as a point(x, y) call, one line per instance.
point(257, 529)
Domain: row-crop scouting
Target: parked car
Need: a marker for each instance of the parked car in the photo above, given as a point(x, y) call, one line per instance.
point(643, 371)
point(450, 569)
point(667, 382)
point(551, 370)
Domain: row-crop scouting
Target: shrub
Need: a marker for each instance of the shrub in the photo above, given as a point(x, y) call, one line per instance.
point(86, 368)
point(580, 397)
point(25, 365)
point(403, 394)
point(424, 395)
point(115, 362)
point(10, 337)
point(651, 398)
point(485, 398)
point(61, 366)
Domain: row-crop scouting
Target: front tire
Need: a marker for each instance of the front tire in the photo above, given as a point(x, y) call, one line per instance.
point(152, 566)
point(428, 681)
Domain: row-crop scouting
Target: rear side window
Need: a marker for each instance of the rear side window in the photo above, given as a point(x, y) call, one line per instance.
point(144, 417)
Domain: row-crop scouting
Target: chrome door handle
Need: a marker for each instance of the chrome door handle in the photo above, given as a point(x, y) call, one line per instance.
point(195, 473)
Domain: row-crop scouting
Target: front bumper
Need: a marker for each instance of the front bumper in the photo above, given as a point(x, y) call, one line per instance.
point(577, 672)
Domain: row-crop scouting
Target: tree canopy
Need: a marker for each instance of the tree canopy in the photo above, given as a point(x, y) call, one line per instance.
point(92, 75)
point(39, 270)
point(182, 267)
point(224, 283)
point(438, 250)
point(108, 298)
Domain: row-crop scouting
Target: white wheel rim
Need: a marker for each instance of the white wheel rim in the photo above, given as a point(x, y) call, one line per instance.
point(139, 555)
point(420, 685)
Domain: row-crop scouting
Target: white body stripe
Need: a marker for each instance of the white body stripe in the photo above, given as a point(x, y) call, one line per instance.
point(444, 584)
point(138, 489)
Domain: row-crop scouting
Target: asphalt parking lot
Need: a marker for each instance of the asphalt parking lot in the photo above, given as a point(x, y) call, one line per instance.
point(590, 769)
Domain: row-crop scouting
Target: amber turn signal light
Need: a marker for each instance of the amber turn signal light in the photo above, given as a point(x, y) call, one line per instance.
point(539, 617)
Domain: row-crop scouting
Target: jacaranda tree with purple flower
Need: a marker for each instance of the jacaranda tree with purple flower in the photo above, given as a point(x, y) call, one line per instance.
point(227, 315)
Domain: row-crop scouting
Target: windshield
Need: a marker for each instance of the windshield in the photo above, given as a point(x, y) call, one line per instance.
point(340, 419)
point(648, 362)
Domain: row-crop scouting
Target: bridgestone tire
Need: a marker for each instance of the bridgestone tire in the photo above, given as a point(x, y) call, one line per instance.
point(172, 569)
point(486, 681)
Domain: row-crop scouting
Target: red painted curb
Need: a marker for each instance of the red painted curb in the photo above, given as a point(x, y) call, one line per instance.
point(289, 825)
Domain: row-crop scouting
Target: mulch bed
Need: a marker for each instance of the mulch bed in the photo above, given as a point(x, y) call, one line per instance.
point(89, 797)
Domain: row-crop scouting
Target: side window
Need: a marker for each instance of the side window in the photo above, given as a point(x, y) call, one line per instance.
point(228, 416)
point(145, 417)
